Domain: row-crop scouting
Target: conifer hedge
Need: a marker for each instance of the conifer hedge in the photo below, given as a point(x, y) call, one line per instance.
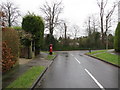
point(117, 38)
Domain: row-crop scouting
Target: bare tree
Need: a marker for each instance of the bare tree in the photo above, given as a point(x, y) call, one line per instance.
point(65, 27)
point(91, 28)
point(11, 12)
point(76, 30)
point(52, 13)
point(88, 25)
point(108, 22)
point(108, 17)
point(94, 23)
point(91, 24)
point(102, 4)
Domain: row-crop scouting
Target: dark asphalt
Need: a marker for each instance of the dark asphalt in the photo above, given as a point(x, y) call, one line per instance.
point(73, 69)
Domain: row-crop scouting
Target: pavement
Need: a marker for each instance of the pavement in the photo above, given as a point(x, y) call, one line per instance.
point(23, 66)
point(112, 51)
point(73, 69)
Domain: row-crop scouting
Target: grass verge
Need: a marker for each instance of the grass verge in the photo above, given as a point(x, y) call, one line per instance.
point(114, 59)
point(28, 78)
point(50, 57)
point(106, 56)
point(94, 52)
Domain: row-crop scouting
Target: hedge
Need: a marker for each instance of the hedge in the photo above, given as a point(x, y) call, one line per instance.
point(10, 41)
point(7, 62)
point(117, 38)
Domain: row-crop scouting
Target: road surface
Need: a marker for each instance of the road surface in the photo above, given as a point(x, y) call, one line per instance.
point(73, 69)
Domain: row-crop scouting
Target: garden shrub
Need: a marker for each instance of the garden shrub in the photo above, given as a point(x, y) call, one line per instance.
point(117, 38)
point(25, 44)
point(10, 36)
point(10, 48)
point(7, 57)
point(35, 25)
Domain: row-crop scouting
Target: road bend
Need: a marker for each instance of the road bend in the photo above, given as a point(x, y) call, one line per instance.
point(73, 69)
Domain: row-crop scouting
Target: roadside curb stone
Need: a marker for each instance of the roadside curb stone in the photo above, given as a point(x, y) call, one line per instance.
point(16, 72)
point(42, 74)
point(103, 60)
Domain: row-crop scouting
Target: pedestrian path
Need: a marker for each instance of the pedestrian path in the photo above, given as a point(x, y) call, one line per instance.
point(112, 51)
point(23, 67)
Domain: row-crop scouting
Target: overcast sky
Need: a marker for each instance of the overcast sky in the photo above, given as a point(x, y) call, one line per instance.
point(75, 11)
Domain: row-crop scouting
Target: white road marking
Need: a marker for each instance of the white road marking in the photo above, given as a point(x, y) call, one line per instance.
point(77, 60)
point(95, 80)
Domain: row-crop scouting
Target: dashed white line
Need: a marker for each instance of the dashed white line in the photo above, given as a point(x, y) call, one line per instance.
point(77, 60)
point(95, 80)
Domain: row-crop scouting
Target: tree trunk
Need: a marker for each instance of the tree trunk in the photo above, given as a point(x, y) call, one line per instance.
point(102, 30)
point(9, 20)
point(106, 34)
point(65, 43)
point(37, 51)
point(37, 48)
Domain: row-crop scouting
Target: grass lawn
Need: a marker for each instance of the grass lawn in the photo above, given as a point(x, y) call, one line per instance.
point(109, 57)
point(98, 51)
point(50, 57)
point(28, 78)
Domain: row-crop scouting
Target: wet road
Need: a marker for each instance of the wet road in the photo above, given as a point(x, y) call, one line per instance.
point(73, 69)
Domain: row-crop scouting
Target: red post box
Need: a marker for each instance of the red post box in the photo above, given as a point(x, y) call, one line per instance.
point(50, 49)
